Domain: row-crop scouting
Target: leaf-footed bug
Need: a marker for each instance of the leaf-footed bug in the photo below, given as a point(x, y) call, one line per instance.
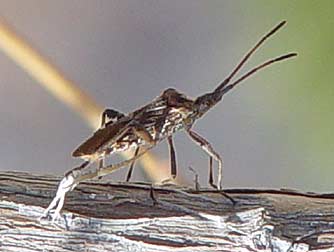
point(149, 125)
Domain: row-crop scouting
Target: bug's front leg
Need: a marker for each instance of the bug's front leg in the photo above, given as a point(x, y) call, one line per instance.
point(206, 146)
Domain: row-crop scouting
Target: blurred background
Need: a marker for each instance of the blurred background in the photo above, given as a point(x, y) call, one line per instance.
point(275, 130)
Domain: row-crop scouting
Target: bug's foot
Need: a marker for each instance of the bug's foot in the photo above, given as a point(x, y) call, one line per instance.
point(233, 201)
point(197, 186)
point(168, 181)
point(152, 196)
point(214, 186)
point(218, 188)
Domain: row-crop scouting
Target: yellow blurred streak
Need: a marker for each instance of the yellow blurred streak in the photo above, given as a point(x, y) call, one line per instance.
point(65, 90)
point(48, 76)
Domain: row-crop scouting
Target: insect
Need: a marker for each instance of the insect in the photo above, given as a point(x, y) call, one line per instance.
point(145, 127)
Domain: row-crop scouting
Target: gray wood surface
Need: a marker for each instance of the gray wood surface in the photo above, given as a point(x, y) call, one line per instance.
point(102, 216)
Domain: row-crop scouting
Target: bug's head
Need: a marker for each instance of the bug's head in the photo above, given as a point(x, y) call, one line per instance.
point(204, 102)
point(176, 99)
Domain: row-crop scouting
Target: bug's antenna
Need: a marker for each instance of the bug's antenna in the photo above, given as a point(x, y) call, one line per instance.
point(246, 57)
point(255, 69)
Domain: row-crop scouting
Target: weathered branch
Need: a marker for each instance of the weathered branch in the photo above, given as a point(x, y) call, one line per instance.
point(101, 216)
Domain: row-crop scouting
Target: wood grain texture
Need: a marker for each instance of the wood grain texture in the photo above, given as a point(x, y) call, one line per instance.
point(102, 216)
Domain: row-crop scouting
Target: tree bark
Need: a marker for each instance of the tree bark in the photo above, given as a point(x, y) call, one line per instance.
point(102, 216)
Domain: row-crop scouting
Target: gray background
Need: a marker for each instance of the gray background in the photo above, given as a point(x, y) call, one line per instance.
point(124, 53)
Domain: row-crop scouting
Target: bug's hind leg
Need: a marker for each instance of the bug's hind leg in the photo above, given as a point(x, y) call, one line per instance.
point(67, 184)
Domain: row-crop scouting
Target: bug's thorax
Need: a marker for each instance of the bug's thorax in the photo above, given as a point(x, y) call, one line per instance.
point(169, 112)
point(177, 119)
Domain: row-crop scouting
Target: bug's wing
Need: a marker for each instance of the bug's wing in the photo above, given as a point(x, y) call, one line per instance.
point(101, 137)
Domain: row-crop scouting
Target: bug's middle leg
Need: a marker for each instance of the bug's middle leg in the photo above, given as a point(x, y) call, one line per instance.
point(137, 129)
point(172, 157)
point(141, 132)
point(128, 176)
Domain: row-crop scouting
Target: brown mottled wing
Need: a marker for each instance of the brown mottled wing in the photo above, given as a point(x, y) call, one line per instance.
point(101, 137)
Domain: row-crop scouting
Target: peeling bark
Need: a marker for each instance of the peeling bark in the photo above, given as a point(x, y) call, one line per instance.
point(101, 216)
